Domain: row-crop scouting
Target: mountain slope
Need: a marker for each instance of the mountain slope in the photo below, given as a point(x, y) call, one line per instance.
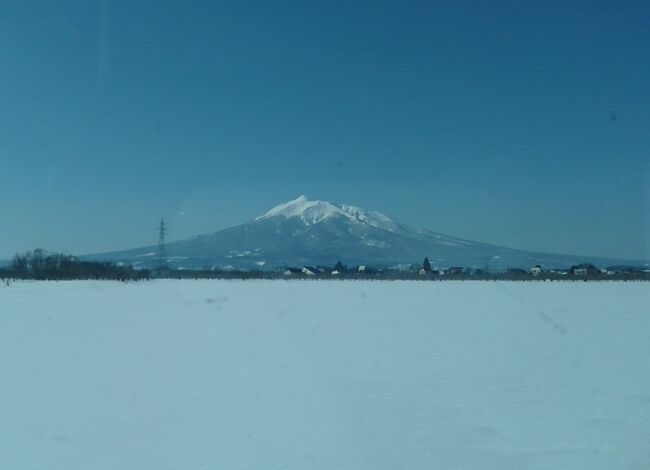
point(303, 232)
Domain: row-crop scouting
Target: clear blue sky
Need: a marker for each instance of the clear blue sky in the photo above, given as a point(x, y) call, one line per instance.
point(523, 124)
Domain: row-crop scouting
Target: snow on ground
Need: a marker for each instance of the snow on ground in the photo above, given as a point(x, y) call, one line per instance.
point(324, 375)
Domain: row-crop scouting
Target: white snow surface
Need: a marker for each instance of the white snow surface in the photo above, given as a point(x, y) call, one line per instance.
point(313, 212)
point(322, 375)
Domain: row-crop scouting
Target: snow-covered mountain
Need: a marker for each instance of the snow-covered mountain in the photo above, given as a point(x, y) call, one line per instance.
point(303, 232)
point(313, 212)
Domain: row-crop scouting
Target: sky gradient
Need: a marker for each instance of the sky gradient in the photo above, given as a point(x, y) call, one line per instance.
point(525, 125)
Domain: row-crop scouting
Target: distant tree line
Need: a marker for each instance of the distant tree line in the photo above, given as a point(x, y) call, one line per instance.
point(41, 265)
point(424, 272)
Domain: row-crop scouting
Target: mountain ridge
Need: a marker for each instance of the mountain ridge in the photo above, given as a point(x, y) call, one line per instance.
point(302, 232)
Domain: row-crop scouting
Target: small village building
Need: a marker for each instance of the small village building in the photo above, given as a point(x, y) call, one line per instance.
point(536, 270)
point(585, 269)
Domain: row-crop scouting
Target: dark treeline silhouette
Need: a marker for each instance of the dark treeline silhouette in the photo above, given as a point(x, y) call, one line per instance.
point(41, 265)
point(368, 273)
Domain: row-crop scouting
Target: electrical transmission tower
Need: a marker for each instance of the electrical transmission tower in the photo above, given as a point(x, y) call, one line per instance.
point(160, 261)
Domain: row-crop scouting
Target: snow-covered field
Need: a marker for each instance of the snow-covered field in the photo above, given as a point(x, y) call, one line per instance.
point(324, 375)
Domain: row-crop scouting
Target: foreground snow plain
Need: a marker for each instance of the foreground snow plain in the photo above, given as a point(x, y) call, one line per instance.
point(324, 375)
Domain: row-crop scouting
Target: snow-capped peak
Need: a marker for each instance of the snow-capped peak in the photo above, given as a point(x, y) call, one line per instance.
point(313, 212)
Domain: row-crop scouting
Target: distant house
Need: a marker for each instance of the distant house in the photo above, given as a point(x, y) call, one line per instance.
point(455, 270)
point(422, 272)
point(536, 270)
point(361, 269)
point(307, 271)
point(584, 269)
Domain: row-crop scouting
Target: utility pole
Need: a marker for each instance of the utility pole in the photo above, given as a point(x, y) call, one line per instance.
point(160, 260)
